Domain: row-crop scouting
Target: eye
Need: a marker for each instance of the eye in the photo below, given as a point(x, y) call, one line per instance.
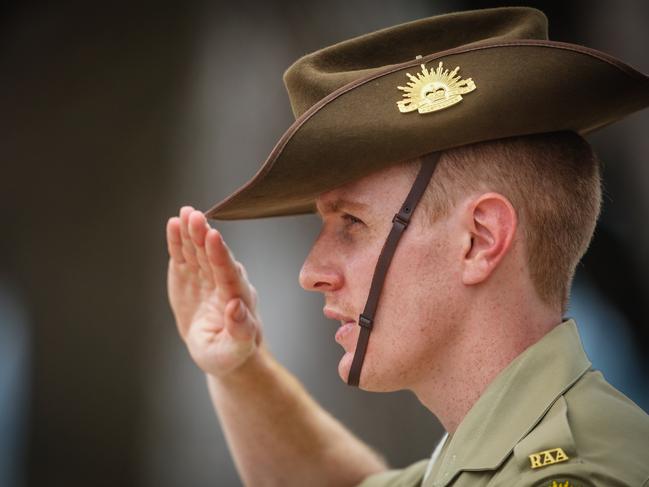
point(351, 219)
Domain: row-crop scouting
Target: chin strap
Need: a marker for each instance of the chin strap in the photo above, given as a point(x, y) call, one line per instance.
point(399, 224)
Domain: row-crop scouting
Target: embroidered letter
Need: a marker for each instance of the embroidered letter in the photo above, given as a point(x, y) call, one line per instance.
point(536, 460)
point(547, 457)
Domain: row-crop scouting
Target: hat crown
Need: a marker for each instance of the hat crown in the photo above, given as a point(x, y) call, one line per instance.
point(315, 75)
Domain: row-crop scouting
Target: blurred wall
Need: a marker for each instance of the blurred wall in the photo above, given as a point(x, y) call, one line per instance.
point(116, 115)
point(91, 95)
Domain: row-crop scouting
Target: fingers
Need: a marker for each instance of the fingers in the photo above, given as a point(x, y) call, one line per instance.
point(194, 227)
point(198, 227)
point(174, 240)
point(242, 270)
point(252, 292)
point(188, 250)
point(239, 321)
point(229, 280)
point(192, 241)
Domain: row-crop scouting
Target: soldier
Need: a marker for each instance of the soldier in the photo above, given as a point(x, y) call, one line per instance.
point(445, 157)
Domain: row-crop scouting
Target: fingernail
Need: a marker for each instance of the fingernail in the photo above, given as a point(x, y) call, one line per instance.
point(240, 312)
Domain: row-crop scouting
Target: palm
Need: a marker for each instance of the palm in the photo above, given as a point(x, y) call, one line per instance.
point(205, 286)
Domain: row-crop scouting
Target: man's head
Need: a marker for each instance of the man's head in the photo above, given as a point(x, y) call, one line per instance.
point(360, 107)
point(502, 225)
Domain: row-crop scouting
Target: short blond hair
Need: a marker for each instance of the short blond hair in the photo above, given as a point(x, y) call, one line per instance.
point(553, 182)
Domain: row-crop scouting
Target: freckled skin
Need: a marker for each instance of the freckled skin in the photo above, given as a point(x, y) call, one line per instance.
point(433, 334)
point(413, 322)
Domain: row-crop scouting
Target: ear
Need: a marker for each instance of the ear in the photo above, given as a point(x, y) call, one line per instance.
point(490, 223)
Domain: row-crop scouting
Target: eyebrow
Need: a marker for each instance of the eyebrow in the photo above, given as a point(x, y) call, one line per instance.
point(340, 204)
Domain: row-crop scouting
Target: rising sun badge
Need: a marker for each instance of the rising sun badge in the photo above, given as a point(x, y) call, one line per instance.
point(433, 90)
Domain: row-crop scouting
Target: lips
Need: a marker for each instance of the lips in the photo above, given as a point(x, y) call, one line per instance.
point(347, 323)
point(334, 315)
point(345, 330)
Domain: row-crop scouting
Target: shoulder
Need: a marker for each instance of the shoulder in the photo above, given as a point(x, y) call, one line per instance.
point(602, 418)
point(407, 477)
point(592, 435)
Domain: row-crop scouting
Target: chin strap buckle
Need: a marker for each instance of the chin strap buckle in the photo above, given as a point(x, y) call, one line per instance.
point(365, 322)
point(402, 219)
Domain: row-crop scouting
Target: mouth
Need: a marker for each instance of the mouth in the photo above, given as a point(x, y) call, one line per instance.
point(347, 324)
point(344, 330)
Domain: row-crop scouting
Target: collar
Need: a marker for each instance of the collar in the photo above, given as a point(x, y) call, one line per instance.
point(435, 455)
point(514, 403)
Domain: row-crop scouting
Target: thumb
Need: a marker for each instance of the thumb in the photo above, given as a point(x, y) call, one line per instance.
point(239, 321)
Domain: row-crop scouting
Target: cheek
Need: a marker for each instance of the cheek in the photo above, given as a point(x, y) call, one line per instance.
point(421, 272)
point(360, 263)
point(416, 310)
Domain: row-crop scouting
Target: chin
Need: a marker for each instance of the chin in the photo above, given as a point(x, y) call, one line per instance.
point(369, 382)
point(345, 365)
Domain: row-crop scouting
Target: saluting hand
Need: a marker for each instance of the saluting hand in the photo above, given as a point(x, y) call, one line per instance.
point(210, 296)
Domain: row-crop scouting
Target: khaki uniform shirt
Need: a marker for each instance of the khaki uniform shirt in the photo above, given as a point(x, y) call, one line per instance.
point(548, 419)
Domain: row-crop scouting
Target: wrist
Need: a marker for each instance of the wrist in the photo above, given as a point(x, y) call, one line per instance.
point(252, 370)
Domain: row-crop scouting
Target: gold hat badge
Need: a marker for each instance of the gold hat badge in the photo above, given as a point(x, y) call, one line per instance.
point(433, 90)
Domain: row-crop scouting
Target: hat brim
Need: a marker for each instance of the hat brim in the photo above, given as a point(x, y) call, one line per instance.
point(522, 87)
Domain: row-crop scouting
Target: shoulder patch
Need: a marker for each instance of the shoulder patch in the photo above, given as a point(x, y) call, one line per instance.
point(562, 484)
point(548, 457)
point(564, 481)
point(549, 443)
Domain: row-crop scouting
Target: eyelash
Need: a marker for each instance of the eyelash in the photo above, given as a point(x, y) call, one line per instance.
point(351, 219)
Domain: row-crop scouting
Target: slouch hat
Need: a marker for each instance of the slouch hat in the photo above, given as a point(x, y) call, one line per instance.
point(426, 86)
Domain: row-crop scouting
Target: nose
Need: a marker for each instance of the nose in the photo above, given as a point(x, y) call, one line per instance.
point(319, 273)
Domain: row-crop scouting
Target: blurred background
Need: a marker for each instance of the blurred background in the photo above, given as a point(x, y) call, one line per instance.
point(115, 114)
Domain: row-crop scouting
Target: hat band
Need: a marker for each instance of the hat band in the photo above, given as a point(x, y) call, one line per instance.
point(399, 224)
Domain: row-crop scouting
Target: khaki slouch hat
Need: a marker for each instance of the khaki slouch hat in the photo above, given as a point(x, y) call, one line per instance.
point(426, 86)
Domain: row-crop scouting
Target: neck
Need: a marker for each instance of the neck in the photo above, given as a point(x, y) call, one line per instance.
point(488, 342)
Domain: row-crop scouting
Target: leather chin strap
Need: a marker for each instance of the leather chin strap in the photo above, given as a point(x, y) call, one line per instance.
point(399, 224)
